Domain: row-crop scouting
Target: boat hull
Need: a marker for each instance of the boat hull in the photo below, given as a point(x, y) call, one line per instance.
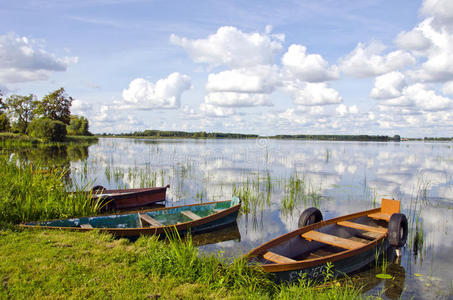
point(338, 268)
point(131, 198)
point(130, 224)
point(342, 245)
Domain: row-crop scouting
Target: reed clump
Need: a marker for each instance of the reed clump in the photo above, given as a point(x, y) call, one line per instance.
point(31, 193)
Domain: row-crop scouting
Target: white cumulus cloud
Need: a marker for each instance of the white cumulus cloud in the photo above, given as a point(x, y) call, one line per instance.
point(441, 9)
point(413, 40)
point(23, 59)
point(307, 67)
point(231, 47)
point(344, 110)
point(314, 94)
point(389, 85)
point(231, 99)
point(447, 88)
point(257, 79)
point(420, 96)
point(368, 61)
point(165, 93)
point(438, 65)
point(216, 111)
point(79, 107)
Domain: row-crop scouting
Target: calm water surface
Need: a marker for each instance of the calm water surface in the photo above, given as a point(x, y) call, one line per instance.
point(283, 177)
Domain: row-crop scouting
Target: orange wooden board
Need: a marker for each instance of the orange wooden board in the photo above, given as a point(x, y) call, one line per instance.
point(362, 227)
point(332, 240)
point(277, 258)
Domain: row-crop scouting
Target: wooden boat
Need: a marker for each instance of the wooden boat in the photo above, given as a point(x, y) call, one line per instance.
point(128, 198)
point(349, 242)
point(195, 218)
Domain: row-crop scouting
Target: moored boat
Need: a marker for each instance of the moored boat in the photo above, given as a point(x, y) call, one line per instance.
point(196, 218)
point(348, 243)
point(128, 198)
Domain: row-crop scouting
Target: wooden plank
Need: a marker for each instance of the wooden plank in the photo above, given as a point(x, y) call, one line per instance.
point(191, 215)
point(362, 227)
point(86, 226)
point(140, 223)
point(380, 216)
point(219, 209)
point(332, 240)
point(149, 220)
point(370, 235)
point(277, 258)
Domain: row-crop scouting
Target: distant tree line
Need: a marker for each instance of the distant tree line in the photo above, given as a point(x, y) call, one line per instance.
point(334, 137)
point(49, 119)
point(184, 134)
point(202, 134)
point(438, 138)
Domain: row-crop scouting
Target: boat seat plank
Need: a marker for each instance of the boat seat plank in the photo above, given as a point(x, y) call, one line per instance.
point(191, 215)
point(150, 220)
point(86, 226)
point(332, 240)
point(362, 227)
point(380, 216)
point(277, 258)
point(370, 235)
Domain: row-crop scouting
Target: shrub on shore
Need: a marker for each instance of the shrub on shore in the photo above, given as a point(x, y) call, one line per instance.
point(48, 130)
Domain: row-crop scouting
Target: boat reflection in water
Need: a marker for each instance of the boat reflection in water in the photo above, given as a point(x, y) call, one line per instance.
point(230, 233)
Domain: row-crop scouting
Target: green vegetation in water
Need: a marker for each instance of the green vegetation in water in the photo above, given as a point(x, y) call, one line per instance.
point(55, 264)
point(256, 191)
point(298, 190)
point(28, 193)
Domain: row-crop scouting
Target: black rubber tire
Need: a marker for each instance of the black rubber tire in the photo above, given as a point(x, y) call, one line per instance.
point(309, 216)
point(98, 188)
point(398, 230)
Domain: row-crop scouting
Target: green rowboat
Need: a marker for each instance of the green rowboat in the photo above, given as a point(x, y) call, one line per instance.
point(196, 218)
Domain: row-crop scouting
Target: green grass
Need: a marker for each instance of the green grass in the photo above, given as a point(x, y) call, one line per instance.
point(54, 264)
point(30, 193)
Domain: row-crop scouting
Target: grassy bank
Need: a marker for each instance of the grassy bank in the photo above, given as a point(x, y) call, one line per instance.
point(30, 193)
point(55, 264)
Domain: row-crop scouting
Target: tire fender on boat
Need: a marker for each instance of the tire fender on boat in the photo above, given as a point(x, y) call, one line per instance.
point(397, 230)
point(310, 216)
point(98, 188)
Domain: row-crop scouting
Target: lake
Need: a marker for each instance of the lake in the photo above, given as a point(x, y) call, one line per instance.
point(280, 178)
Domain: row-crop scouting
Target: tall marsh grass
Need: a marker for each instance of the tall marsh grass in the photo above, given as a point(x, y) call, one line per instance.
point(28, 193)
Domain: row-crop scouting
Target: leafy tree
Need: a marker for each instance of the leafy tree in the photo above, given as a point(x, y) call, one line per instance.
point(20, 110)
point(48, 130)
point(2, 105)
point(55, 106)
point(4, 122)
point(78, 126)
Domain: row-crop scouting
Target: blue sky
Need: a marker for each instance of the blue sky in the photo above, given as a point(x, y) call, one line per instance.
point(274, 67)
